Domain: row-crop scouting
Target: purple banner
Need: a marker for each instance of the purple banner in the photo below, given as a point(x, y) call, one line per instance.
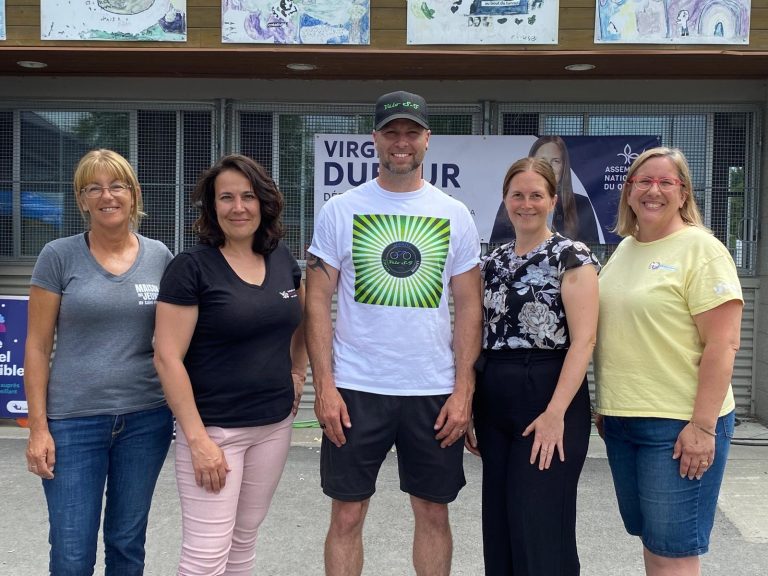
point(13, 336)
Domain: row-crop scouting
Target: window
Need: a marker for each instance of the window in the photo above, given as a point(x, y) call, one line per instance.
point(7, 191)
point(51, 144)
point(37, 202)
point(171, 144)
point(719, 143)
point(282, 139)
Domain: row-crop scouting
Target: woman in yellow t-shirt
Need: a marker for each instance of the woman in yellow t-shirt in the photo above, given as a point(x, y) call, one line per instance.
point(670, 314)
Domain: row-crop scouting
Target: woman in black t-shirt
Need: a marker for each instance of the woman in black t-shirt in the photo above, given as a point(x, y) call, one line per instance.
point(229, 349)
point(531, 404)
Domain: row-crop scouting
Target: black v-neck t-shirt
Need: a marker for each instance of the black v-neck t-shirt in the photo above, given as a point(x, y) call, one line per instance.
point(239, 357)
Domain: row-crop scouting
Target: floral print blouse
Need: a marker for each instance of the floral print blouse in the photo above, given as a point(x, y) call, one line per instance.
point(522, 306)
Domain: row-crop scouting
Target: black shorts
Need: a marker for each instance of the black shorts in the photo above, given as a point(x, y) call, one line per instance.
point(427, 471)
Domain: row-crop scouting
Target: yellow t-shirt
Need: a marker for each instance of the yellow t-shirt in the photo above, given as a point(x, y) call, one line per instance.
point(648, 348)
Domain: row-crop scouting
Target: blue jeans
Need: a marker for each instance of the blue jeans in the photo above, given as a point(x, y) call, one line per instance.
point(672, 515)
point(125, 453)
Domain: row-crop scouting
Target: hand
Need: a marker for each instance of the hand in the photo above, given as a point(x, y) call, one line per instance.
point(298, 390)
point(470, 440)
point(696, 452)
point(548, 435)
point(600, 425)
point(209, 464)
point(453, 420)
point(331, 412)
point(41, 453)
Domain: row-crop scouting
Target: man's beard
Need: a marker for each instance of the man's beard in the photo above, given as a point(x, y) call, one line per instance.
point(414, 165)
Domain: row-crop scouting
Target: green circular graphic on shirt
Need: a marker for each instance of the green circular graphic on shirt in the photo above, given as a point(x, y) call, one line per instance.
point(401, 259)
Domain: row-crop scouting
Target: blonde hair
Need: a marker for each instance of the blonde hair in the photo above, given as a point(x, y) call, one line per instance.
point(113, 164)
point(626, 221)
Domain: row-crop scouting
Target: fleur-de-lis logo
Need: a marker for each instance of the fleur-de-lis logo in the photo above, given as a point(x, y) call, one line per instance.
point(628, 155)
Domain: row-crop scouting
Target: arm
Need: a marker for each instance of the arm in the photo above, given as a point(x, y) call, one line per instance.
point(43, 313)
point(579, 292)
point(330, 409)
point(174, 326)
point(299, 356)
point(470, 440)
point(453, 420)
point(720, 333)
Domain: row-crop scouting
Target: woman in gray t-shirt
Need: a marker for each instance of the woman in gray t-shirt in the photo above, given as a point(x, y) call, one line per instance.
point(97, 414)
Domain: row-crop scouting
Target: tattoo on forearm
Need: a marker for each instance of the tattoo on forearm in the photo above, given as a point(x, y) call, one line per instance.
point(315, 263)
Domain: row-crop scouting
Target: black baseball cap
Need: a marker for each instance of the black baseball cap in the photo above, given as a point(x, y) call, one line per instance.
point(400, 105)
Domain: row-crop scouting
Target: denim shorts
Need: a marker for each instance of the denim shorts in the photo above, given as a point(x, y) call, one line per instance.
point(672, 515)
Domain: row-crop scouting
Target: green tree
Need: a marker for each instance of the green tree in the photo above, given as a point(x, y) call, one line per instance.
point(105, 130)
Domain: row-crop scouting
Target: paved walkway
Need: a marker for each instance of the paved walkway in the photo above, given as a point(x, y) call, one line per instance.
point(291, 541)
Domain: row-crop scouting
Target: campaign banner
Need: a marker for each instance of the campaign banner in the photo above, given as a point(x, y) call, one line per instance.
point(13, 336)
point(590, 171)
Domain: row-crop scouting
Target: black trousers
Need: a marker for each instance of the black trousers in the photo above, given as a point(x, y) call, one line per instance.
point(529, 515)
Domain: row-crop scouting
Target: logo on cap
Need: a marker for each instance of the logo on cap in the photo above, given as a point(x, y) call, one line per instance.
point(400, 105)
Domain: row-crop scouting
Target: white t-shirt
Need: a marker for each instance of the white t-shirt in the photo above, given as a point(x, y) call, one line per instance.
point(396, 253)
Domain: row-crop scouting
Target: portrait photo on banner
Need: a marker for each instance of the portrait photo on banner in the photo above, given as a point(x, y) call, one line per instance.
point(589, 171)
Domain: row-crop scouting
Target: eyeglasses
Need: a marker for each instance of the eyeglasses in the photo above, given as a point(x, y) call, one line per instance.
point(94, 190)
point(664, 184)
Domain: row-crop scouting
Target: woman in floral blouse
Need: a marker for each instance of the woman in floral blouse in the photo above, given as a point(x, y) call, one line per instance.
point(531, 406)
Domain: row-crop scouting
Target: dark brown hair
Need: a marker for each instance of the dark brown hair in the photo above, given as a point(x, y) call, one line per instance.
point(564, 186)
point(270, 202)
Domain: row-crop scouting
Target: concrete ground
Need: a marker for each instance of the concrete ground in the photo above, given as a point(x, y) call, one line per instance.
point(291, 540)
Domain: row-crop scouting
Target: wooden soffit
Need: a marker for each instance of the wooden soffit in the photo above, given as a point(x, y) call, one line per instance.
point(368, 64)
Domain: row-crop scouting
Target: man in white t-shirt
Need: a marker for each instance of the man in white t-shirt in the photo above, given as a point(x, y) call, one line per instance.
point(392, 372)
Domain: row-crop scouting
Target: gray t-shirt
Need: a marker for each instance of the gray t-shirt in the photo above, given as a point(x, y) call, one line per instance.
point(103, 360)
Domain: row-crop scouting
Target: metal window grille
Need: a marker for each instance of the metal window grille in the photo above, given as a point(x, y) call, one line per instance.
point(168, 145)
point(8, 222)
point(282, 138)
point(721, 143)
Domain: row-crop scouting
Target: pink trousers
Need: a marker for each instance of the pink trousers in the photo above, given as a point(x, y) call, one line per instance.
point(219, 530)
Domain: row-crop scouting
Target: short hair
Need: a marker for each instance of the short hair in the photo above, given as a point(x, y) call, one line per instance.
point(207, 227)
point(116, 166)
point(530, 164)
point(626, 219)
